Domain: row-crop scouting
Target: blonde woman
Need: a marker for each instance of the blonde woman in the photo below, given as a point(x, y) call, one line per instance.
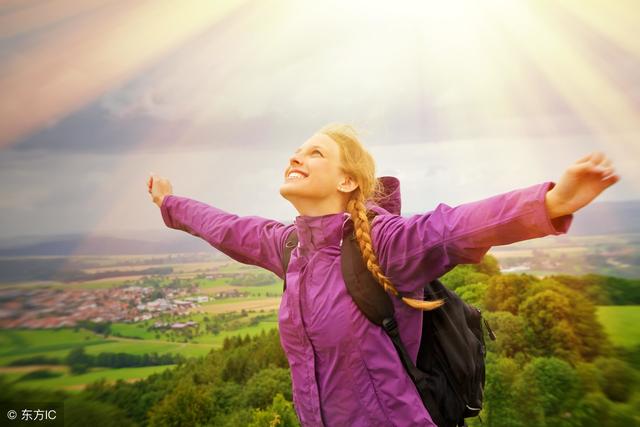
point(344, 369)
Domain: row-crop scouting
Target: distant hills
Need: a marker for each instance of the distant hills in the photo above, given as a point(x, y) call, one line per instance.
point(157, 242)
point(595, 219)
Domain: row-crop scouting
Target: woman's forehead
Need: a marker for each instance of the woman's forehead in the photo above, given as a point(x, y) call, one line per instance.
point(320, 141)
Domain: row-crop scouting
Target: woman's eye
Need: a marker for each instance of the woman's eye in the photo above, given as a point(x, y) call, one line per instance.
point(316, 151)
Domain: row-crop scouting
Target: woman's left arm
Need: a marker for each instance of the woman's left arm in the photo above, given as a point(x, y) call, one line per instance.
point(435, 242)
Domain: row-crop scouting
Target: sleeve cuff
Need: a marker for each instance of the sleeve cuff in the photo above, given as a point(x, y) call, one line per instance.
point(164, 210)
point(558, 225)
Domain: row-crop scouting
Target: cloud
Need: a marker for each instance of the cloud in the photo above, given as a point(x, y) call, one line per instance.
point(457, 113)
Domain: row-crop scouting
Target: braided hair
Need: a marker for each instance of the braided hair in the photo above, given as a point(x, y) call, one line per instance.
point(359, 164)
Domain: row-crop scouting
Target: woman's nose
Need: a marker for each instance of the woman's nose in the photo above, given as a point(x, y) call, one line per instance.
point(295, 160)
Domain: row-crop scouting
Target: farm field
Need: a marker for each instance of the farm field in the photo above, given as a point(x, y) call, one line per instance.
point(18, 344)
point(217, 279)
point(77, 382)
point(621, 323)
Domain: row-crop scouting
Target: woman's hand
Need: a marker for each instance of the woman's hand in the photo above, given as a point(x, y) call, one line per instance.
point(158, 187)
point(582, 182)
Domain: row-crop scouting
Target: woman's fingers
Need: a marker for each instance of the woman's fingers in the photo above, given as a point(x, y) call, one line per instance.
point(594, 157)
point(611, 179)
point(600, 169)
point(583, 159)
point(595, 162)
point(598, 157)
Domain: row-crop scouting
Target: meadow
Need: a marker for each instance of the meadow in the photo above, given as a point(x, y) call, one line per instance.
point(18, 344)
point(621, 323)
point(140, 338)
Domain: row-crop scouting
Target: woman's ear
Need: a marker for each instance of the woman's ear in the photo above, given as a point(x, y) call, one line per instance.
point(347, 184)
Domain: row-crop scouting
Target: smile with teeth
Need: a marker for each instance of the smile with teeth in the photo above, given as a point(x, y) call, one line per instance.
point(295, 175)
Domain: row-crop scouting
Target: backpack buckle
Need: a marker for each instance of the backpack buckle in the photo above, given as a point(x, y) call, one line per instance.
point(389, 324)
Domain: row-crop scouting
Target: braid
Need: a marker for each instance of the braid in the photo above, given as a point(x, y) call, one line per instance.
point(358, 211)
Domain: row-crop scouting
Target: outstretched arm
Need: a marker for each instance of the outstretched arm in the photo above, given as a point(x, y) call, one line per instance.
point(428, 245)
point(250, 239)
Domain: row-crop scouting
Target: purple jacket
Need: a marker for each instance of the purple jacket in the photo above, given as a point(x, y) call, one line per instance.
point(344, 369)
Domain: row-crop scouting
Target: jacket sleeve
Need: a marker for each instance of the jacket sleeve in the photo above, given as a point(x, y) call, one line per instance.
point(249, 239)
point(415, 250)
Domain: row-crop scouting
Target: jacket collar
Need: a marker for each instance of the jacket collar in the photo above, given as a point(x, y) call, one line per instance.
point(316, 232)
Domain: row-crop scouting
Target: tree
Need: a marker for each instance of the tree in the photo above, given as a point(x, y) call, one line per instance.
point(462, 275)
point(506, 291)
point(78, 361)
point(186, 405)
point(80, 412)
point(266, 383)
point(593, 410)
point(489, 265)
point(473, 294)
point(563, 322)
point(280, 413)
point(617, 379)
point(501, 376)
point(509, 330)
point(548, 326)
point(558, 386)
point(590, 377)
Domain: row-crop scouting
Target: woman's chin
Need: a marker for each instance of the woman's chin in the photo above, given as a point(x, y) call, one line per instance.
point(290, 189)
point(286, 190)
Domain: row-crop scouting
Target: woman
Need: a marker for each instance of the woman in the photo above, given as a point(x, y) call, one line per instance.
point(344, 369)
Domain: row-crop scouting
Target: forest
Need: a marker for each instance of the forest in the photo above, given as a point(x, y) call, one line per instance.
point(552, 365)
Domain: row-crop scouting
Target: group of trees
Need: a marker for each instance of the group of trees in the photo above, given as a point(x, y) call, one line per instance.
point(101, 328)
point(79, 361)
point(253, 279)
point(210, 324)
point(552, 365)
point(245, 384)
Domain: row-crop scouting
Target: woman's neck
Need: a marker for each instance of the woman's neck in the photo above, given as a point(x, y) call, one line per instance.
point(315, 207)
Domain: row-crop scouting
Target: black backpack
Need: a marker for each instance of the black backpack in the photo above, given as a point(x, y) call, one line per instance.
point(450, 369)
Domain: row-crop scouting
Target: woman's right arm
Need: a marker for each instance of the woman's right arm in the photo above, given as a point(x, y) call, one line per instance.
point(247, 239)
point(429, 245)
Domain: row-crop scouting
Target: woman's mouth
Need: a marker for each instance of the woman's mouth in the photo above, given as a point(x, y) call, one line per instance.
point(294, 175)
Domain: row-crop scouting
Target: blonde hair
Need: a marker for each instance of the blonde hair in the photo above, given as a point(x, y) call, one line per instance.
point(359, 165)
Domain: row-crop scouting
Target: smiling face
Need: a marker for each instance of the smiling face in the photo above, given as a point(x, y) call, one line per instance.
point(314, 181)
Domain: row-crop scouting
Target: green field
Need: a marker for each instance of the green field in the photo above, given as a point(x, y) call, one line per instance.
point(77, 382)
point(21, 343)
point(621, 323)
point(139, 330)
point(17, 344)
point(274, 288)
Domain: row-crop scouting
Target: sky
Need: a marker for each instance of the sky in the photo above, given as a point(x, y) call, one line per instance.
point(460, 100)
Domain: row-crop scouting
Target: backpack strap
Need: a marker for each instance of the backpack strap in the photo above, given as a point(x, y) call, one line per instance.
point(376, 304)
point(365, 291)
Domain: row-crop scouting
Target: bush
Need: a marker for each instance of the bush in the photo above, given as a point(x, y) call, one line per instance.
point(78, 368)
point(618, 378)
point(39, 374)
point(280, 413)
